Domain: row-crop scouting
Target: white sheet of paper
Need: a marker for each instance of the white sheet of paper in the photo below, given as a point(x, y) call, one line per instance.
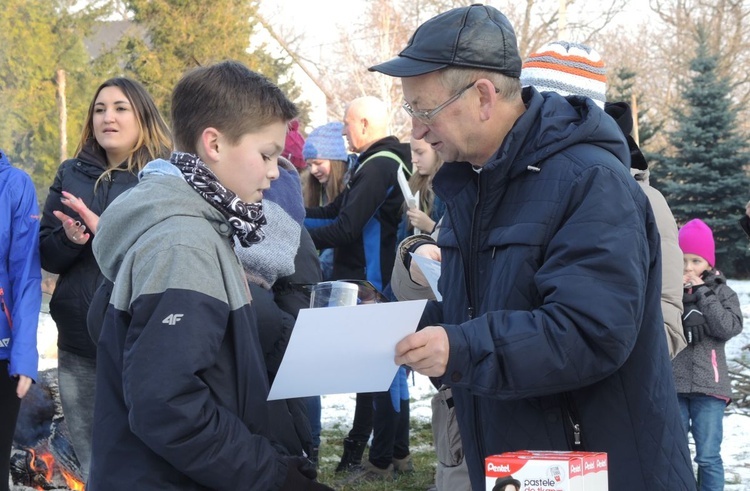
point(338, 350)
point(431, 270)
point(411, 201)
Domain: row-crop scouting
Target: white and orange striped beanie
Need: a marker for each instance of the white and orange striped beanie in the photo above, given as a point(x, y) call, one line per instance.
point(568, 69)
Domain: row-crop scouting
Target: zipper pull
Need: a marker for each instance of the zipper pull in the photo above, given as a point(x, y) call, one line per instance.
point(577, 434)
point(470, 311)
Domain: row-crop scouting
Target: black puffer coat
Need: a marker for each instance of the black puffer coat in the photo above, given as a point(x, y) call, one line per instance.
point(79, 273)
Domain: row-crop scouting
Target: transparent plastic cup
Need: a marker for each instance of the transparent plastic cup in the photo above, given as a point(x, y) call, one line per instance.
point(334, 294)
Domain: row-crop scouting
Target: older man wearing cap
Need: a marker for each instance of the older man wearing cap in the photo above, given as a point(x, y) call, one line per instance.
point(550, 331)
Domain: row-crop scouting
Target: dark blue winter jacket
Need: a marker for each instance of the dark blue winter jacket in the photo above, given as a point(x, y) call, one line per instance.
point(20, 272)
point(551, 275)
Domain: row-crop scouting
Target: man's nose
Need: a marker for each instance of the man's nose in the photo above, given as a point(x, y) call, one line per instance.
point(418, 129)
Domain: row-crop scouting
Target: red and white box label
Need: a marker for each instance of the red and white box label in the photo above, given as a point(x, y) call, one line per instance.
point(533, 470)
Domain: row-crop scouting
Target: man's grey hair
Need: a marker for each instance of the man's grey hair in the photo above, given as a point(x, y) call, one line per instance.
point(456, 78)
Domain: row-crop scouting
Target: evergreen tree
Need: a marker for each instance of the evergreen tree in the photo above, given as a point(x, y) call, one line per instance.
point(622, 88)
point(180, 35)
point(705, 175)
point(38, 38)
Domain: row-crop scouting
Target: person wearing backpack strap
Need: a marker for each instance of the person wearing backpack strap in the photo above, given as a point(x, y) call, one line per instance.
point(361, 226)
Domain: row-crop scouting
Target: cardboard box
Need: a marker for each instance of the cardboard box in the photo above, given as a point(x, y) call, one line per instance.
point(549, 470)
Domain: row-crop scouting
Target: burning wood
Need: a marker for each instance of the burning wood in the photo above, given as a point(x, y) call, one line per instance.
point(42, 456)
point(38, 469)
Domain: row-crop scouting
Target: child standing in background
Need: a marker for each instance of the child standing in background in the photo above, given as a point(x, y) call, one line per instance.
point(426, 163)
point(712, 316)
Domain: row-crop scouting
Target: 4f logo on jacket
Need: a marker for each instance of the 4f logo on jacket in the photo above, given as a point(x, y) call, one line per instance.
point(172, 319)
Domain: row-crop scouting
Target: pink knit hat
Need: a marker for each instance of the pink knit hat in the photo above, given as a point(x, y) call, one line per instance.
point(696, 238)
point(293, 145)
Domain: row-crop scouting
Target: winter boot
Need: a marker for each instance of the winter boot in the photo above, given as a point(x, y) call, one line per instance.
point(352, 457)
point(403, 466)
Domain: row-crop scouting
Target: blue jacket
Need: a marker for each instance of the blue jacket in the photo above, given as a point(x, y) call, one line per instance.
point(20, 272)
point(551, 278)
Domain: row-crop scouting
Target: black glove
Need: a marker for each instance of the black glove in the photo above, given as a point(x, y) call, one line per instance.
point(300, 475)
point(694, 325)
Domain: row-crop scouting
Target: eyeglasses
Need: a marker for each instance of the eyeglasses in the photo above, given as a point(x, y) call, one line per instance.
point(426, 117)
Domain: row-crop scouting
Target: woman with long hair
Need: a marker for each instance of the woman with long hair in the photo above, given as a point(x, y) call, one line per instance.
point(426, 163)
point(328, 162)
point(122, 132)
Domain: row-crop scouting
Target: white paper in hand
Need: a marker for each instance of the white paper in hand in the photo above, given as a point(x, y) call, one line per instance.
point(411, 200)
point(431, 271)
point(337, 350)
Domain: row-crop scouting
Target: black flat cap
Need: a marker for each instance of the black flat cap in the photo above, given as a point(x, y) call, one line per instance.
point(478, 36)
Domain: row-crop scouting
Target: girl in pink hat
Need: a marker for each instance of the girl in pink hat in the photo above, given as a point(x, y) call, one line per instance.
point(712, 316)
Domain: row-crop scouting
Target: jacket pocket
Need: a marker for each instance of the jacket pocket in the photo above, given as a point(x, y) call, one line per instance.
point(445, 432)
point(519, 234)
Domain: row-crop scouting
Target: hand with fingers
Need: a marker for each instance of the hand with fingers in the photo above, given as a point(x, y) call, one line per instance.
point(426, 351)
point(23, 385)
point(74, 230)
point(430, 251)
point(90, 218)
point(420, 220)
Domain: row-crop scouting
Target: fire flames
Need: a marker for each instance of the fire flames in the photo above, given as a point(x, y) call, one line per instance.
point(73, 483)
point(44, 466)
point(47, 459)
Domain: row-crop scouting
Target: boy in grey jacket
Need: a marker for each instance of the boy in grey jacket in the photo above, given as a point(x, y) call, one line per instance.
point(181, 381)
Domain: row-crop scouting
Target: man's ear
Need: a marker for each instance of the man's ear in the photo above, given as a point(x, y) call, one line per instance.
point(365, 124)
point(209, 145)
point(487, 98)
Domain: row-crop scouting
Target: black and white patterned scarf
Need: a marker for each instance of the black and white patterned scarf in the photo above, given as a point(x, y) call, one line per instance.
point(246, 218)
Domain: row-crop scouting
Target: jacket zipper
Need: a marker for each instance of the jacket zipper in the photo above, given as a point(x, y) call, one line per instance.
point(573, 420)
point(471, 289)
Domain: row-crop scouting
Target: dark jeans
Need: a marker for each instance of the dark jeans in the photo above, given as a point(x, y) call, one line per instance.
point(391, 438)
point(77, 379)
point(9, 406)
point(362, 425)
point(313, 414)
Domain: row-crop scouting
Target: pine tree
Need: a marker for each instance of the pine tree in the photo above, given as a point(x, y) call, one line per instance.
point(180, 35)
point(38, 37)
point(622, 87)
point(705, 176)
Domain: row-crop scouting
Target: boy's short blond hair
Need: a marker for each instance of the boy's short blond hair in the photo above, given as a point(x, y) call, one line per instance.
point(227, 96)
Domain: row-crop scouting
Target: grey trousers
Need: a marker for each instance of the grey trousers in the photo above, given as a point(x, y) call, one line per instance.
point(452, 473)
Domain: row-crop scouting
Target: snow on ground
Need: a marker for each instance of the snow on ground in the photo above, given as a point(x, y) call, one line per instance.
point(338, 410)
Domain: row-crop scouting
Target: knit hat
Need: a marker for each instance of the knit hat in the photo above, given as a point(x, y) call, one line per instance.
point(568, 69)
point(326, 142)
point(695, 237)
point(293, 145)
